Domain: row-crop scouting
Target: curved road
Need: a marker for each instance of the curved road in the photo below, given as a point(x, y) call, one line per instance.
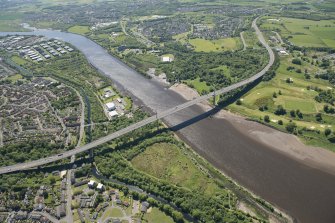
point(160, 115)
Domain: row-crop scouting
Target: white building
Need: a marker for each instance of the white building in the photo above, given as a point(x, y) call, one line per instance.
point(100, 187)
point(167, 59)
point(113, 114)
point(110, 106)
point(91, 184)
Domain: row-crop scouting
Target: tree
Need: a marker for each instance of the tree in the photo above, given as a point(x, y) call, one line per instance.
point(328, 132)
point(296, 61)
point(52, 180)
point(291, 127)
point(318, 117)
point(266, 118)
point(280, 122)
point(239, 102)
point(274, 95)
point(280, 110)
point(292, 113)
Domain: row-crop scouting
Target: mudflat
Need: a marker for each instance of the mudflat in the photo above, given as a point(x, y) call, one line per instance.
point(297, 178)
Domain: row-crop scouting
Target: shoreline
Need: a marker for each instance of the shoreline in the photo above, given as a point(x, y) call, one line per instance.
point(284, 143)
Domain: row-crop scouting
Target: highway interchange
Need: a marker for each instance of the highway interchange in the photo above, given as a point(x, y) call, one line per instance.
point(158, 116)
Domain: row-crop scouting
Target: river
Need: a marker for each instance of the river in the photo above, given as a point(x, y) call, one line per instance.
point(304, 192)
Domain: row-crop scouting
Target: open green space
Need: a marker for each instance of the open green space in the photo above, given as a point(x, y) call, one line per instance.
point(18, 60)
point(112, 213)
point(167, 161)
point(203, 45)
point(156, 215)
point(304, 32)
point(198, 85)
point(79, 29)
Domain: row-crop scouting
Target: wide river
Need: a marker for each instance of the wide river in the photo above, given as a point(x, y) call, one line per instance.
point(308, 194)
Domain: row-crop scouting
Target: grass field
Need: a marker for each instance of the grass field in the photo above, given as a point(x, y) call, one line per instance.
point(156, 216)
point(79, 29)
point(198, 85)
point(303, 32)
point(18, 60)
point(112, 213)
point(167, 162)
point(203, 45)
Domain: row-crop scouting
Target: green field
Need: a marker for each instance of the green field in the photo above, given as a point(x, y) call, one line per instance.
point(79, 29)
point(303, 32)
point(18, 60)
point(167, 161)
point(155, 216)
point(198, 85)
point(203, 45)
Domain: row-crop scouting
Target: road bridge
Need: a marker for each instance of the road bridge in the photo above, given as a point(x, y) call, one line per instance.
point(158, 116)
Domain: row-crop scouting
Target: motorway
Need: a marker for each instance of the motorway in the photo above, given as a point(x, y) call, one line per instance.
point(158, 116)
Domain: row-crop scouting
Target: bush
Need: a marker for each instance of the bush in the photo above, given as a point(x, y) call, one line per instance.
point(280, 122)
point(266, 118)
point(239, 102)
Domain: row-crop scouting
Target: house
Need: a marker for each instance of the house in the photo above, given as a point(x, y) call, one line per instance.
point(118, 201)
point(73, 178)
point(110, 106)
point(21, 215)
point(35, 216)
point(39, 207)
point(63, 173)
point(283, 53)
point(91, 184)
point(144, 206)
point(78, 184)
point(60, 211)
point(167, 59)
point(126, 204)
point(100, 187)
point(81, 215)
point(113, 114)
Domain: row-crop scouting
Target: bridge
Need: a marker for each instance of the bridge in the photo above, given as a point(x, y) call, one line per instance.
point(158, 116)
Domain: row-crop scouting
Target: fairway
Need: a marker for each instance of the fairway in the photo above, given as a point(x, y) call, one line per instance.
point(303, 106)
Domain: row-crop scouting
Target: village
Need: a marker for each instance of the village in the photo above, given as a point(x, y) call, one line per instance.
point(92, 201)
point(33, 110)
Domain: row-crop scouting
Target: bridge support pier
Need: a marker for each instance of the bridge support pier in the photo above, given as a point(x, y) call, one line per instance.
point(214, 99)
point(91, 156)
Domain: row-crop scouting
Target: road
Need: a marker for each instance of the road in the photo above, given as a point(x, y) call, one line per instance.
point(243, 41)
point(158, 116)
